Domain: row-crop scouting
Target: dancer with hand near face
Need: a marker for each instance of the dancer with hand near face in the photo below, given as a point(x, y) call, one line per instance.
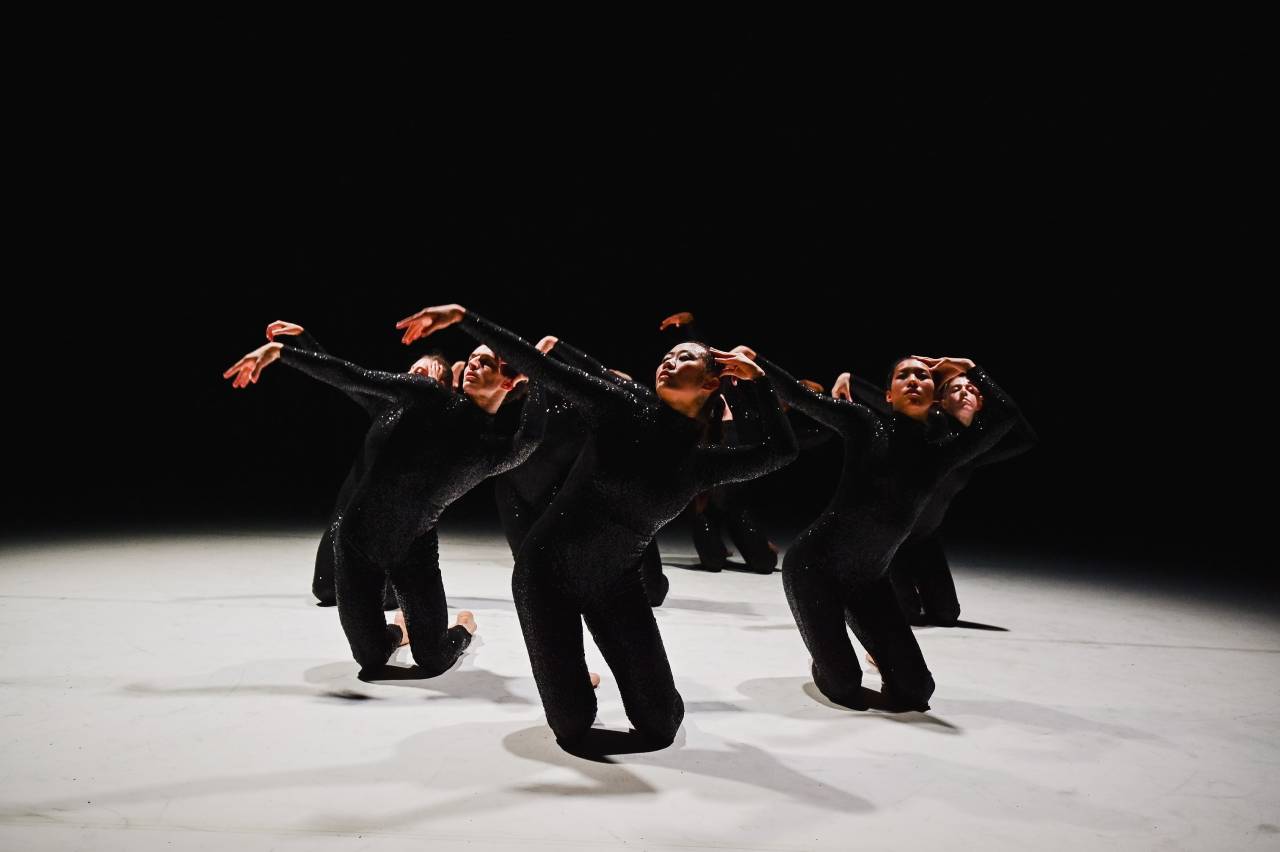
point(641, 464)
point(837, 571)
point(427, 447)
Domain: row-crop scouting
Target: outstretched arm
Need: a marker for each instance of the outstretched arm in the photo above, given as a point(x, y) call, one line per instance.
point(592, 392)
point(370, 388)
point(843, 416)
point(718, 464)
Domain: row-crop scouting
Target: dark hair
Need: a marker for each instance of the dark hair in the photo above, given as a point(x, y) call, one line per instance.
point(709, 361)
point(942, 387)
point(437, 356)
point(893, 368)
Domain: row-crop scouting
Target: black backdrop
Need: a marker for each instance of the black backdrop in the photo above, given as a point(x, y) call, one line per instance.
point(1077, 223)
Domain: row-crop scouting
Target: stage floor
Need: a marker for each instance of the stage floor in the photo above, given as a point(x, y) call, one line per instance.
point(182, 692)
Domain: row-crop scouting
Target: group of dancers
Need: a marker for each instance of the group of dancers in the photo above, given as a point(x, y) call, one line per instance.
point(590, 465)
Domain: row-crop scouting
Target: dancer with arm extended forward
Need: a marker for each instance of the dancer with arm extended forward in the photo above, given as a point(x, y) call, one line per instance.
point(837, 570)
point(920, 573)
point(524, 493)
point(640, 466)
point(432, 365)
point(425, 449)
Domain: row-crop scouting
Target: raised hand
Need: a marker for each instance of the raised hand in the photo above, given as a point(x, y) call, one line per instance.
point(682, 318)
point(737, 365)
point(282, 327)
point(546, 344)
point(812, 385)
point(840, 390)
point(745, 350)
point(248, 369)
point(428, 321)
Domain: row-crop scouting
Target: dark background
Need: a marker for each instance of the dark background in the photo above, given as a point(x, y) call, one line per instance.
point(1080, 223)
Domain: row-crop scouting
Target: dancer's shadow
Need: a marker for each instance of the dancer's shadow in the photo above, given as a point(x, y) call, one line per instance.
point(779, 696)
point(481, 603)
point(463, 680)
point(740, 763)
point(869, 699)
point(965, 625)
point(699, 605)
point(338, 681)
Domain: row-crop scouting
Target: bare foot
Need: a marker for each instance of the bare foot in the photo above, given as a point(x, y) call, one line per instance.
point(404, 631)
point(872, 661)
point(468, 620)
point(595, 680)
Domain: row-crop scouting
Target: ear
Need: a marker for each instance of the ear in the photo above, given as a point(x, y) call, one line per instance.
point(510, 384)
point(711, 382)
point(888, 396)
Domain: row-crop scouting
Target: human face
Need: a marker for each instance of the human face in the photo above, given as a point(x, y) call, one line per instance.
point(682, 376)
point(961, 399)
point(911, 390)
point(483, 373)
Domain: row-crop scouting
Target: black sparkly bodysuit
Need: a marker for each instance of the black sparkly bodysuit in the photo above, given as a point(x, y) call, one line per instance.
point(638, 469)
point(920, 573)
point(524, 493)
point(837, 570)
point(426, 448)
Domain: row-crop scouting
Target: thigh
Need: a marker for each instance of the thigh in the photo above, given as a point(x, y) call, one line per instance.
point(935, 583)
point(359, 583)
point(875, 618)
point(420, 590)
point(625, 631)
point(552, 626)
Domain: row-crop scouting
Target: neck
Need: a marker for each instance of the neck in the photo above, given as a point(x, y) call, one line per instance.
point(488, 402)
point(690, 408)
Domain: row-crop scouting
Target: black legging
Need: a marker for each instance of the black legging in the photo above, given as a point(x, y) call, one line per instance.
point(637, 471)
point(420, 592)
point(623, 627)
point(823, 603)
point(837, 572)
point(323, 585)
point(425, 448)
point(727, 510)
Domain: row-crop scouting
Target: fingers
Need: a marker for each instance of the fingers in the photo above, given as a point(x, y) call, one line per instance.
point(235, 368)
point(282, 327)
point(682, 318)
point(242, 377)
point(407, 321)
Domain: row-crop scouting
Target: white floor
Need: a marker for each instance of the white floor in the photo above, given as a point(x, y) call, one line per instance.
point(183, 693)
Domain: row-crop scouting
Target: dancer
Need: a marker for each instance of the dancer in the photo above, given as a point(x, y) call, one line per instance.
point(837, 569)
point(432, 365)
point(426, 448)
point(920, 573)
point(728, 508)
point(641, 464)
point(524, 492)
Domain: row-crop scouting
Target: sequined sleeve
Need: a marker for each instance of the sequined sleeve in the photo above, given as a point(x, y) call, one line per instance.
point(718, 464)
point(372, 389)
point(841, 415)
point(869, 394)
point(997, 419)
point(305, 340)
point(575, 357)
point(591, 392)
